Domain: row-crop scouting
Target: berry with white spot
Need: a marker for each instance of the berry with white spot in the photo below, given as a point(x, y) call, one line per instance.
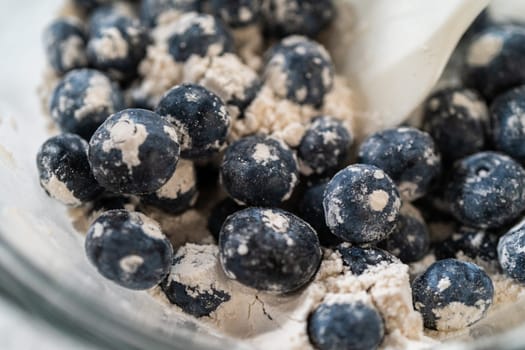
point(237, 13)
point(360, 259)
point(65, 43)
point(511, 252)
point(155, 12)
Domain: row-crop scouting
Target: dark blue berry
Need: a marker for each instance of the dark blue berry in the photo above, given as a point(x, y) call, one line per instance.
point(409, 156)
point(360, 259)
point(472, 242)
point(89, 5)
point(64, 171)
point(259, 170)
point(153, 11)
point(511, 252)
point(361, 204)
point(135, 151)
point(300, 70)
point(106, 15)
point(200, 117)
point(82, 100)
point(65, 43)
point(111, 201)
point(452, 294)
point(237, 13)
point(269, 250)
point(220, 213)
point(346, 325)
point(129, 249)
point(486, 190)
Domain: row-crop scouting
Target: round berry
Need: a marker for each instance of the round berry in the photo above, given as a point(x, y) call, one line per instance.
point(325, 146)
point(457, 119)
point(361, 204)
point(360, 259)
point(486, 190)
point(346, 325)
point(472, 242)
point(65, 43)
point(106, 15)
point(269, 250)
point(237, 13)
point(135, 151)
point(409, 156)
point(129, 249)
point(300, 70)
point(200, 118)
point(494, 60)
point(452, 294)
point(64, 171)
point(220, 213)
point(511, 252)
point(154, 12)
point(82, 100)
point(259, 170)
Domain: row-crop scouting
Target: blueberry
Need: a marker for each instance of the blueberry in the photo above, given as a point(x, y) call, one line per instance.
point(65, 43)
point(220, 213)
point(452, 294)
point(361, 204)
point(304, 17)
point(237, 13)
point(487, 190)
point(198, 34)
point(472, 242)
point(106, 15)
point(346, 325)
point(129, 249)
point(300, 70)
point(82, 100)
point(324, 147)
point(409, 156)
point(457, 119)
point(312, 212)
point(154, 12)
point(135, 151)
point(494, 60)
point(200, 118)
point(360, 259)
point(179, 193)
point(410, 240)
point(64, 171)
point(511, 252)
point(89, 5)
point(259, 170)
point(269, 250)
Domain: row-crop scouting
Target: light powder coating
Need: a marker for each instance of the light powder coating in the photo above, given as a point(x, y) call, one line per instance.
point(59, 190)
point(98, 96)
point(73, 53)
point(149, 226)
point(182, 181)
point(484, 50)
point(249, 45)
point(456, 315)
point(277, 221)
point(131, 263)
point(477, 108)
point(378, 200)
point(263, 154)
point(111, 45)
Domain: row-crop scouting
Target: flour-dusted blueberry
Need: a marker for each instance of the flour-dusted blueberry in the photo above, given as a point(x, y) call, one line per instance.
point(452, 294)
point(269, 250)
point(300, 70)
point(311, 211)
point(200, 117)
point(106, 15)
point(511, 252)
point(129, 249)
point(324, 147)
point(220, 213)
point(408, 155)
point(507, 114)
point(237, 13)
point(64, 171)
point(304, 17)
point(361, 204)
point(457, 119)
point(65, 44)
point(494, 60)
point(135, 151)
point(410, 240)
point(360, 259)
point(82, 100)
point(471, 242)
point(179, 193)
point(346, 325)
point(198, 34)
point(154, 12)
point(259, 170)
point(486, 190)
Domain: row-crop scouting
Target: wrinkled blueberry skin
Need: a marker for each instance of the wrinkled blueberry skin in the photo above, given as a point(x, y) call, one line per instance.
point(237, 13)
point(56, 42)
point(325, 146)
point(472, 242)
point(201, 118)
point(457, 119)
point(269, 250)
point(151, 10)
point(220, 213)
point(303, 17)
point(158, 153)
point(117, 234)
point(508, 126)
point(467, 283)
point(74, 88)
point(355, 326)
point(361, 204)
point(65, 157)
point(306, 68)
point(511, 252)
point(359, 259)
point(408, 155)
point(253, 179)
point(486, 190)
point(502, 70)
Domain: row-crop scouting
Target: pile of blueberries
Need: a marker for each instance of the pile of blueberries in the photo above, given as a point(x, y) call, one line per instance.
point(463, 165)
